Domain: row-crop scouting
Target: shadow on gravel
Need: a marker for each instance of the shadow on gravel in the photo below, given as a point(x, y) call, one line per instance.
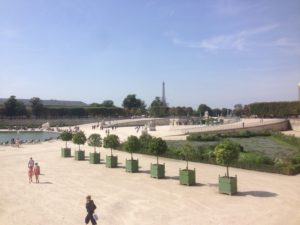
point(259, 194)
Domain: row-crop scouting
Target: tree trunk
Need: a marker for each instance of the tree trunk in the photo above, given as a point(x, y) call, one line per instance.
point(66, 144)
point(94, 149)
point(131, 156)
point(227, 171)
point(157, 159)
point(110, 151)
point(187, 164)
point(79, 147)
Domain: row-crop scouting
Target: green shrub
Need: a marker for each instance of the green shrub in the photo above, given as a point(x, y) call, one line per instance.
point(95, 140)
point(66, 136)
point(227, 152)
point(79, 138)
point(132, 145)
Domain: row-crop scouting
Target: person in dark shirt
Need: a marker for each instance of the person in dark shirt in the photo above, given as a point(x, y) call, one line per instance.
point(90, 208)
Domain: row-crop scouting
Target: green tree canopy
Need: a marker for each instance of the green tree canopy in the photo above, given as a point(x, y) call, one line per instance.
point(36, 106)
point(132, 144)
point(133, 104)
point(238, 109)
point(158, 147)
point(157, 108)
point(95, 140)
point(216, 112)
point(105, 104)
point(203, 108)
point(66, 136)
point(79, 138)
point(186, 153)
point(227, 152)
point(13, 107)
point(111, 141)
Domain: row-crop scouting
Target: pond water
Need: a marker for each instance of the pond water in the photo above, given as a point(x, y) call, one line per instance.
point(26, 135)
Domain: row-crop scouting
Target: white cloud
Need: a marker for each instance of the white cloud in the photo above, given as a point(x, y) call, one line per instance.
point(236, 41)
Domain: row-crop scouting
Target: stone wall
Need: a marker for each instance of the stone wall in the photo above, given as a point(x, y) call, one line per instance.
point(276, 126)
point(295, 124)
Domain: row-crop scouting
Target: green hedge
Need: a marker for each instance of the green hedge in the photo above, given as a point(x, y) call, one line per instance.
point(204, 153)
point(218, 137)
point(275, 109)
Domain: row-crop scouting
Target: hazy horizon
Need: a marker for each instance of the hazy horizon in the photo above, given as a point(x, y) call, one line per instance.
point(218, 53)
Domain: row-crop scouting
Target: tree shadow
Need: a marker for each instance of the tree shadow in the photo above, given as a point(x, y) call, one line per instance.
point(46, 182)
point(260, 194)
point(144, 171)
point(212, 185)
point(172, 177)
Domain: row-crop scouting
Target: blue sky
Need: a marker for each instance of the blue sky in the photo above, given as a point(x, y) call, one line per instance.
point(219, 52)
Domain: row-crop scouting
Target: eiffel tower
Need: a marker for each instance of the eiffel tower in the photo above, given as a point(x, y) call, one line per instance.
point(163, 99)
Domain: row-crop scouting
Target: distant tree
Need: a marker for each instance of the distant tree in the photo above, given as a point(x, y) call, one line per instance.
point(36, 106)
point(227, 152)
point(95, 104)
point(12, 107)
point(216, 112)
point(246, 111)
point(226, 112)
point(95, 140)
point(158, 147)
point(203, 108)
point(111, 141)
point(108, 103)
point(133, 104)
point(157, 108)
point(238, 109)
point(132, 145)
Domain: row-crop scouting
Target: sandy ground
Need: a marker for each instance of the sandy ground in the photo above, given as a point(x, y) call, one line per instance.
point(136, 199)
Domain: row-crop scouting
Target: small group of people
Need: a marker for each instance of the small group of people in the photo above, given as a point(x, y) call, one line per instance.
point(33, 169)
point(15, 142)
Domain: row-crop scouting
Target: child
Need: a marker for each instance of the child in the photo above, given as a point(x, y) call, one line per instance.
point(36, 171)
point(30, 173)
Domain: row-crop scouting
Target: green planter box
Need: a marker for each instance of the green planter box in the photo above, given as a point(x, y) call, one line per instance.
point(132, 166)
point(112, 161)
point(65, 152)
point(187, 177)
point(79, 155)
point(94, 158)
point(157, 170)
point(228, 185)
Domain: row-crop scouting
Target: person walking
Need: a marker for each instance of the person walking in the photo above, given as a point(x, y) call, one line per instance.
point(30, 163)
point(30, 173)
point(90, 208)
point(36, 171)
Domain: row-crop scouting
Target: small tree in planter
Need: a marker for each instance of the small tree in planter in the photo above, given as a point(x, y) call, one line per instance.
point(66, 136)
point(95, 140)
point(227, 152)
point(111, 141)
point(132, 145)
point(79, 138)
point(186, 176)
point(158, 147)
